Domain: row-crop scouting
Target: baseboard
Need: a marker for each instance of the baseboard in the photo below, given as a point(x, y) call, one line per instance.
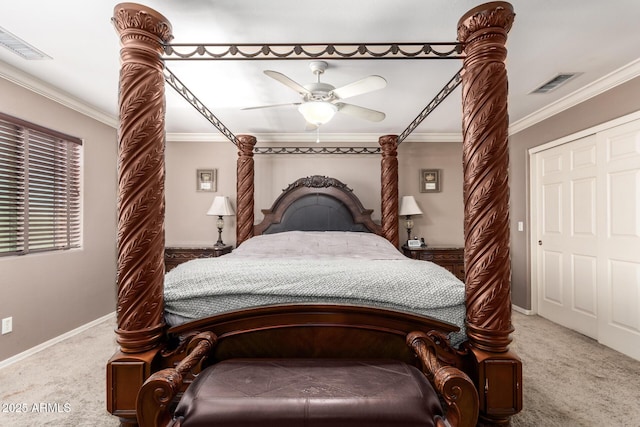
point(33, 350)
point(522, 310)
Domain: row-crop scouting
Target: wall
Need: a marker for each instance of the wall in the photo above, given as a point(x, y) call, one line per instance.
point(49, 294)
point(442, 219)
point(619, 101)
point(186, 222)
point(188, 225)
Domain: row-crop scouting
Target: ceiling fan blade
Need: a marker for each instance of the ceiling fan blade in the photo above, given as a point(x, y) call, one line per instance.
point(361, 112)
point(287, 82)
point(271, 106)
point(368, 84)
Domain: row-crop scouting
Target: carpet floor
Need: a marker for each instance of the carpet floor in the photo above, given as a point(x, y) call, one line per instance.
point(569, 380)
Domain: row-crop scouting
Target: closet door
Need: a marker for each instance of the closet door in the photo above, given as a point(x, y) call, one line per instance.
point(619, 241)
point(565, 201)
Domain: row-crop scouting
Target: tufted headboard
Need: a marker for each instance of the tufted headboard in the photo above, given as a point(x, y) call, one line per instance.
point(317, 203)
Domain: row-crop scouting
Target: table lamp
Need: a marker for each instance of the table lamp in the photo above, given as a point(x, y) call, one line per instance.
point(221, 206)
point(409, 207)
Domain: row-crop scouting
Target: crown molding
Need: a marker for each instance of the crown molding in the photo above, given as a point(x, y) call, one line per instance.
point(38, 86)
point(287, 138)
point(611, 80)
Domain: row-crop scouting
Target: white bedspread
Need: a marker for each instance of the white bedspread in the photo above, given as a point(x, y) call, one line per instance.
point(318, 244)
point(315, 267)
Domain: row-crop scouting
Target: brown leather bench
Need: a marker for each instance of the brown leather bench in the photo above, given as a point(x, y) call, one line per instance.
point(310, 393)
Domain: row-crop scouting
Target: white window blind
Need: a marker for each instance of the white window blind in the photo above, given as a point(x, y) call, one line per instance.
point(39, 188)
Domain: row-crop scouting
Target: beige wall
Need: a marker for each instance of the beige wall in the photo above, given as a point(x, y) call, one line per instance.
point(617, 102)
point(442, 220)
point(186, 222)
point(188, 225)
point(50, 294)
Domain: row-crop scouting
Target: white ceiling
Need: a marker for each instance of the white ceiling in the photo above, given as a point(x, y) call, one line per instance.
point(600, 40)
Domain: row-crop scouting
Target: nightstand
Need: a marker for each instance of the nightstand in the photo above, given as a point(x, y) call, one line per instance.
point(174, 256)
point(451, 258)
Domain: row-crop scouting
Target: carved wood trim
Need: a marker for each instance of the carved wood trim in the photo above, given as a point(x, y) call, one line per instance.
point(389, 188)
point(140, 306)
point(456, 388)
point(245, 188)
point(485, 164)
point(159, 390)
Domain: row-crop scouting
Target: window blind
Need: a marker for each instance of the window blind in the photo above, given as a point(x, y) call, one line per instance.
point(40, 205)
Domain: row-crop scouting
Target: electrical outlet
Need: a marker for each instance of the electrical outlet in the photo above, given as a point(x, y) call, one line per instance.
point(7, 325)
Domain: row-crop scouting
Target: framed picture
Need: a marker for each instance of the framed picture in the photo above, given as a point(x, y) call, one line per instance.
point(429, 180)
point(206, 180)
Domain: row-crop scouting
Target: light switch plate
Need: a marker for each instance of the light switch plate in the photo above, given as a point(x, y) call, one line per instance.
point(7, 325)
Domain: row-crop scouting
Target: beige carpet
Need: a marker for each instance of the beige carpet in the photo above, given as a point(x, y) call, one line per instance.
point(55, 388)
point(569, 381)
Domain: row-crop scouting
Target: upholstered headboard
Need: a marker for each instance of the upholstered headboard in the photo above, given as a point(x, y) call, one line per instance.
point(317, 203)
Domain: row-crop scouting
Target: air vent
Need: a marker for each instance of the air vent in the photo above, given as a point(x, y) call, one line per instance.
point(20, 47)
point(555, 82)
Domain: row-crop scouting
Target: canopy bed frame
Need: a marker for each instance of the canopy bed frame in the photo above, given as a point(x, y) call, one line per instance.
point(153, 363)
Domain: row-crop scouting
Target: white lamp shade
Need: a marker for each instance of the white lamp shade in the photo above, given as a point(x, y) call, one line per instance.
point(317, 112)
point(221, 206)
point(408, 206)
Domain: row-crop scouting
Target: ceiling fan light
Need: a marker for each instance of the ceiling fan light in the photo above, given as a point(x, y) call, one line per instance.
point(317, 112)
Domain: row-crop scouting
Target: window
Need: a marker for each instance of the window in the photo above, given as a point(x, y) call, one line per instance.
point(39, 188)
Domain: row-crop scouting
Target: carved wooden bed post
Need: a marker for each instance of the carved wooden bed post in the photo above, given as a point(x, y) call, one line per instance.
point(389, 188)
point(483, 30)
point(245, 188)
point(141, 176)
point(141, 137)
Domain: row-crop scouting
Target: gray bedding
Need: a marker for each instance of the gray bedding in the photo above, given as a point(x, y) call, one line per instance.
point(314, 267)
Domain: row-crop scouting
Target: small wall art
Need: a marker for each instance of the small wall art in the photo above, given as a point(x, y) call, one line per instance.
point(206, 180)
point(429, 180)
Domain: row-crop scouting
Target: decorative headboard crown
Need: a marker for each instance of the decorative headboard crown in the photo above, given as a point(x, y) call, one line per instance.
point(317, 181)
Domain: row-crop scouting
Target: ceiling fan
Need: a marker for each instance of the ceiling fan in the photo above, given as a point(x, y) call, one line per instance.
point(320, 101)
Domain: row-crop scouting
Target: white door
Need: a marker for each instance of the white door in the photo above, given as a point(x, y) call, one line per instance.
point(567, 241)
point(619, 241)
point(586, 201)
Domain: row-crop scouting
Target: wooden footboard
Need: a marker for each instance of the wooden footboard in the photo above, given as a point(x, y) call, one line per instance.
point(310, 330)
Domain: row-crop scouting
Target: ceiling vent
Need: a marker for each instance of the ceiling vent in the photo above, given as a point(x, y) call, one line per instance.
point(20, 47)
point(555, 82)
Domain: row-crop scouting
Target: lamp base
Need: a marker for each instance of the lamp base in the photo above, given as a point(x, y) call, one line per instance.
point(219, 243)
point(409, 225)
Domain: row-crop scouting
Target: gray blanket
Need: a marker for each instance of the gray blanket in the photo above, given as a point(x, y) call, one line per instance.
point(204, 287)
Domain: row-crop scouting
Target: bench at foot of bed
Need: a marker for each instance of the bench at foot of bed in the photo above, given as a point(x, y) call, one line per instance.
point(315, 392)
point(309, 392)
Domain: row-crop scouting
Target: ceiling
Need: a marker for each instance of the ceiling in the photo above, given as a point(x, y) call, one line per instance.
point(600, 41)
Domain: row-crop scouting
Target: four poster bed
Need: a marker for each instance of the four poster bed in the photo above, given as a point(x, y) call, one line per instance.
point(361, 350)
